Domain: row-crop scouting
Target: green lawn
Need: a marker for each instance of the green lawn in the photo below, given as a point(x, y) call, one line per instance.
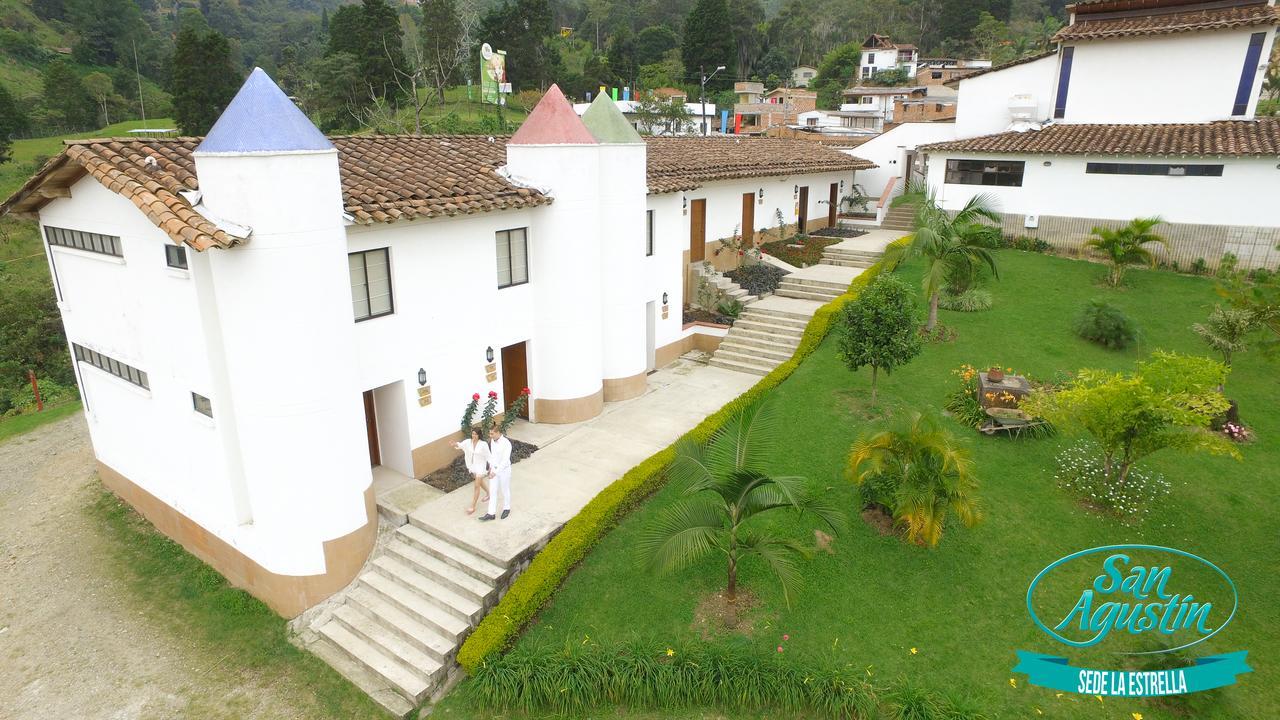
point(19, 424)
point(962, 605)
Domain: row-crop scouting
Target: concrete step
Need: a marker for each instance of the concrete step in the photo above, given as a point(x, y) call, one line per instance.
point(722, 363)
point(440, 571)
point(732, 345)
point(404, 681)
point(768, 331)
point(805, 294)
point(775, 344)
point(391, 644)
point(838, 287)
point(737, 293)
point(781, 317)
point(852, 254)
point(902, 227)
point(747, 359)
point(745, 333)
point(429, 589)
point(846, 263)
point(422, 636)
point(446, 624)
point(373, 685)
point(473, 561)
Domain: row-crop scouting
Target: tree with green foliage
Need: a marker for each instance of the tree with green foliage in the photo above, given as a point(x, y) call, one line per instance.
point(668, 73)
point(204, 79)
point(1125, 246)
point(708, 43)
point(835, 73)
point(880, 328)
point(102, 90)
point(661, 116)
point(335, 95)
point(653, 43)
point(747, 25)
point(382, 47)
point(1167, 404)
point(13, 122)
point(1227, 331)
point(65, 96)
point(105, 29)
point(525, 29)
point(920, 474)
point(31, 336)
point(445, 40)
point(945, 239)
point(1261, 298)
point(622, 56)
point(727, 498)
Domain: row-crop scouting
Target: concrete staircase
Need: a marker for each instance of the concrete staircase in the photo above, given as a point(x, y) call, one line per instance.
point(900, 218)
point(397, 629)
point(729, 288)
point(761, 339)
point(847, 257)
point(823, 291)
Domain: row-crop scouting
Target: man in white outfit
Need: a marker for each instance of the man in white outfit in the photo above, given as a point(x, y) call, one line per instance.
point(499, 473)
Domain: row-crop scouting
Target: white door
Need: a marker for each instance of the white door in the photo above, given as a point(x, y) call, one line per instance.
point(651, 332)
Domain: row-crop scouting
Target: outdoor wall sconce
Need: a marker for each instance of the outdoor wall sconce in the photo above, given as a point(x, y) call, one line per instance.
point(488, 354)
point(684, 204)
point(1047, 163)
point(760, 195)
point(422, 376)
point(664, 298)
point(795, 190)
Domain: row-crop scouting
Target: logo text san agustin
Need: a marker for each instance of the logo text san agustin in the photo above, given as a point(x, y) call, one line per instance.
point(1129, 598)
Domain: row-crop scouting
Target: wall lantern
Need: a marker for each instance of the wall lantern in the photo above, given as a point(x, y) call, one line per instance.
point(795, 190)
point(684, 202)
point(664, 298)
point(488, 354)
point(422, 376)
point(761, 194)
point(1047, 163)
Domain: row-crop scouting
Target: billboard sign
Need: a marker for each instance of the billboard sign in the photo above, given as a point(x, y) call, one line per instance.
point(493, 75)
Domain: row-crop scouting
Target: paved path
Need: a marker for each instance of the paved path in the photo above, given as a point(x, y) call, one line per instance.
point(875, 240)
point(575, 462)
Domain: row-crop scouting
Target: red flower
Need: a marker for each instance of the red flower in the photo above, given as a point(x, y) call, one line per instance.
point(493, 394)
point(786, 637)
point(779, 648)
point(476, 396)
point(524, 391)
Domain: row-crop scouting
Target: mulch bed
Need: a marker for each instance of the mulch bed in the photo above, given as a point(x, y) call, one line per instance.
point(455, 475)
point(880, 520)
point(840, 232)
point(693, 314)
point(800, 250)
point(715, 615)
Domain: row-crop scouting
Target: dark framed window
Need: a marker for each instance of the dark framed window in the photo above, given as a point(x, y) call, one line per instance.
point(175, 256)
point(936, 74)
point(125, 372)
point(1004, 173)
point(1064, 83)
point(513, 257)
point(370, 283)
point(201, 404)
point(1248, 73)
point(81, 240)
point(1100, 168)
point(648, 232)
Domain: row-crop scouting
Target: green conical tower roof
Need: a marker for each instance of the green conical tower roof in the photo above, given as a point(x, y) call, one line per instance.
point(607, 124)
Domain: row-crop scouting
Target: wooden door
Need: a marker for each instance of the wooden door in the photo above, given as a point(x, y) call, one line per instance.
point(833, 204)
point(697, 231)
point(515, 375)
point(802, 216)
point(749, 219)
point(371, 429)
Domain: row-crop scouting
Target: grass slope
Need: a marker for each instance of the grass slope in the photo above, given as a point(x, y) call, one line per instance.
point(962, 605)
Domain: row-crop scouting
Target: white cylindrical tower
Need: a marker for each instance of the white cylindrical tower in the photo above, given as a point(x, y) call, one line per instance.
point(287, 376)
point(553, 150)
point(622, 223)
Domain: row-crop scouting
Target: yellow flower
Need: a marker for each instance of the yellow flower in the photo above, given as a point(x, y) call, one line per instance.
point(1098, 698)
point(913, 651)
point(1013, 683)
point(1137, 716)
point(670, 652)
point(1008, 370)
point(1039, 711)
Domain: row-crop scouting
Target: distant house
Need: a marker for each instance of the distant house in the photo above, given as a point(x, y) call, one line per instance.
point(802, 74)
point(940, 71)
point(880, 54)
point(756, 110)
point(699, 114)
point(670, 93)
point(872, 106)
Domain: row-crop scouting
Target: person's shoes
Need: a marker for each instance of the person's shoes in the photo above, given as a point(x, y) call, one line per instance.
point(486, 517)
point(505, 513)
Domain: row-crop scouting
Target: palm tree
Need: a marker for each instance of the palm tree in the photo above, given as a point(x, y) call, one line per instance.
point(921, 474)
point(728, 489)
point(1123, 246)
point(945, 240)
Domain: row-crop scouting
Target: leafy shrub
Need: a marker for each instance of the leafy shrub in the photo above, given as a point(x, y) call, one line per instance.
point(1081, 472)
point(1026, 243)
point(1227, 265)
point(971, 300)
point(757, 279)
point(21, 399)
point(1199, 266)
point(550, 566)
point(1260, 275)
point(729, 308)
point(576, 679)
point(963, 403)
point(1105, 324)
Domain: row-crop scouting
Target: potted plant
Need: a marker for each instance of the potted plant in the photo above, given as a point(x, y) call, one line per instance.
point(995, 374)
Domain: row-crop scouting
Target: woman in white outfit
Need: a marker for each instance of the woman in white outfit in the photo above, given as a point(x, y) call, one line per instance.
point(475, 454)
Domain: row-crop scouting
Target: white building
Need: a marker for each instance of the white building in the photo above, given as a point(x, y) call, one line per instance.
point(1102, 130)
point(699, 113)
point(801, 75)
point(879, 54)
point(261, 317)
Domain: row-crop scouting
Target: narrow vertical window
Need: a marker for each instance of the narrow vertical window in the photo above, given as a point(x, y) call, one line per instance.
point(648, 247)
point(513, 257)
point(1248, 73)
point(1064, 83)
point(370, 284)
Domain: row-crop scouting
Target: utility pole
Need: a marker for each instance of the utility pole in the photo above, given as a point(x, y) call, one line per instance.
point(702, 70)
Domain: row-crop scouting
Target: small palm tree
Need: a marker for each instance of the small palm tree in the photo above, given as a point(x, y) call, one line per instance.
point(921, 474)
point(1125, 246)
point(945, 240)
point(728, 491)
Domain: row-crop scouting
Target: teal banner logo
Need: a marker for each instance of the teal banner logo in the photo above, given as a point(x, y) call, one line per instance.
point(1134, 600)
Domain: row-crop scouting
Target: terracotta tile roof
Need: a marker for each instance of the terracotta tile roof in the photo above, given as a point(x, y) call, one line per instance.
point(684, 163)
point(1168, 23)
point(398, 177)
point(1259, 137)
point(1012, 63)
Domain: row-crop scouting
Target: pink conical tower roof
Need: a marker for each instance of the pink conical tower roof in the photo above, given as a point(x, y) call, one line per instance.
point(553, 122)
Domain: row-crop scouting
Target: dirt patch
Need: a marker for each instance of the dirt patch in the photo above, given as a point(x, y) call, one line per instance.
point(878, 517)
point(693, 314)
point(455, 474)
point(715, 615)
point(857, 405)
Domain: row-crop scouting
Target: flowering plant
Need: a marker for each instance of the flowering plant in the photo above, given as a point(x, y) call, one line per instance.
point(514, 410)
point(1081, 472)
point(1236, 432)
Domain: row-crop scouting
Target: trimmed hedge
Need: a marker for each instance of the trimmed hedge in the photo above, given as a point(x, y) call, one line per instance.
point(549, 567)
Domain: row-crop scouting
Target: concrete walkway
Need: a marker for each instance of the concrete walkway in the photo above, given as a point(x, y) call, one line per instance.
point(575, 462)
point(874, 241)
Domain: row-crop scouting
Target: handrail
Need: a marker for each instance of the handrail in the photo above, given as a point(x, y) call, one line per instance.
point(888, 191)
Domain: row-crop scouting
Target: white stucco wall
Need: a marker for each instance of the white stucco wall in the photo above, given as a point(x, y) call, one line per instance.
point(983, 102)
point(1187, 77)
point(724, 201)
point(1242, 196)
point(889, 152)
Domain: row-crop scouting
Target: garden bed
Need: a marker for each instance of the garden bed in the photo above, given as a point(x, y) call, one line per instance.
point(693, 315)
point(799, 250)
point(455, 475)
point(758, 279)
point(839, 232)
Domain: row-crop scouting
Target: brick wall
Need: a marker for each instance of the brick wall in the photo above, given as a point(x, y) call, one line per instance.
point(922, 111)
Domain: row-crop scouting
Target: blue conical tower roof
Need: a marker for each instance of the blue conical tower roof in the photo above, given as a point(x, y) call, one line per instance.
point(262, 119)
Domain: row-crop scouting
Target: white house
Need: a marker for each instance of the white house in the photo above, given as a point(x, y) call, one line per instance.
point(801, 75)
point(1144, 107)
point(699, 114)
point(262, 317)
point(879, 54)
